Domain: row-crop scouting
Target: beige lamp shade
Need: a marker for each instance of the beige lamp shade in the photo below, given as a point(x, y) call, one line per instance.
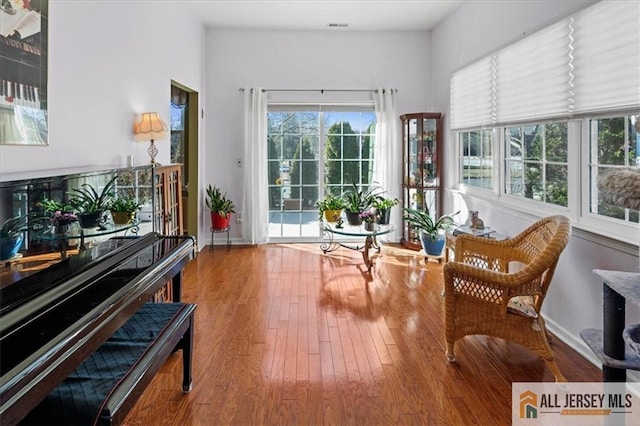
point(150, 127)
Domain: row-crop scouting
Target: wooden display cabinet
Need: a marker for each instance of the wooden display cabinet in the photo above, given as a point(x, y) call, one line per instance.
point(168, 210)
point(421, 169)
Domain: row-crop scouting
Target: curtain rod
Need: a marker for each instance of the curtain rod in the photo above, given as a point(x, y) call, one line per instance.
point(321, 90)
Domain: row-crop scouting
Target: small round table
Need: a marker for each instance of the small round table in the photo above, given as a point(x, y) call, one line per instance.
point(371, 241)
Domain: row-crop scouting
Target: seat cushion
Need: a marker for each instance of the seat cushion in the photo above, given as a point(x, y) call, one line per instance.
point(522, 305)
point(79, 398)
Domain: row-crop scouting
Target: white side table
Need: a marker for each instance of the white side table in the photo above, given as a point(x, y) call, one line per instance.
point(452, 234)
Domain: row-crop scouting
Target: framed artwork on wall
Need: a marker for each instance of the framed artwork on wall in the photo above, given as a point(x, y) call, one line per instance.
point(23, 72)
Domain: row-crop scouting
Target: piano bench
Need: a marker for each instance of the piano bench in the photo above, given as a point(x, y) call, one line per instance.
point(104, 388)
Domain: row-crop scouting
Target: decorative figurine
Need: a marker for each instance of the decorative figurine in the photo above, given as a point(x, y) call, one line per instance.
point(340, 222)
point(475, 221)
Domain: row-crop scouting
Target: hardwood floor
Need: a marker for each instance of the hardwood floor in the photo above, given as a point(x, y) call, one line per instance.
point(287, 335)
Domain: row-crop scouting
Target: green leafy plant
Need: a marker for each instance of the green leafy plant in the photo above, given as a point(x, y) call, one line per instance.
point(382, 203)
point(330, 202)
point(422, 221)
point(52, 206)
point(13, 226)
point(218, 202)
point(357, 200)
point(124, 204)
point(87, 199)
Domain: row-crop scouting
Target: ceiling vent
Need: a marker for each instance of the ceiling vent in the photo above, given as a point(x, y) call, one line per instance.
point(337, 25)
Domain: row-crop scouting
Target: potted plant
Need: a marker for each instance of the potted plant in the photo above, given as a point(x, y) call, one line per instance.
point(370, 219)
point(11, 236)
point(123, 210)
point(431, 230)
point(52, 206)
point(91, 204)
point(357, 201)
point(383, 206)
point(61, 220)
point(221, 208)
point(330, 207)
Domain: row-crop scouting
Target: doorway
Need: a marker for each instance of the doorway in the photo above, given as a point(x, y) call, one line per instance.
point(314, 150)
point(184, 149)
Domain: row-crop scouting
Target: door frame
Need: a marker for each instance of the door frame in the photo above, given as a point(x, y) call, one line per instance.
point(190, 169)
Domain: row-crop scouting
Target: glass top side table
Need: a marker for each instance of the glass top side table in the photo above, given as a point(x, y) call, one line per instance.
point(371, 241)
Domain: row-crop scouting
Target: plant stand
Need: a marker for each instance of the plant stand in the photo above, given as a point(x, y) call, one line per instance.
point(436, 257)
point(218, 231)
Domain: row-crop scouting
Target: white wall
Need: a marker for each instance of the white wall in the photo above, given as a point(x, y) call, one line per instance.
point(108, 63)
point(303, 60)
point(472, 32)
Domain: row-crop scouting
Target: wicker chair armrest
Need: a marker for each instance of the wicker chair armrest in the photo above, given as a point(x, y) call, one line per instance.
point(509, 282)
point(471, 272)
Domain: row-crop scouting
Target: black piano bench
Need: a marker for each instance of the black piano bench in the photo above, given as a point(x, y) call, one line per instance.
point(104, 388)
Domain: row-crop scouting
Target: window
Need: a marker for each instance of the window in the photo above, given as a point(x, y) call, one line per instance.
point(563, 118)
point(312, 150)
point(477, 158)
point(536, 162)
point(614, 143)
point(179, 105)
point(348, 150)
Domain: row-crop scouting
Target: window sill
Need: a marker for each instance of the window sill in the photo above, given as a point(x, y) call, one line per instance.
point(626, 242)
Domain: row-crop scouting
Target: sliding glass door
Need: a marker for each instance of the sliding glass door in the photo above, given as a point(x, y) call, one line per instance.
point(312, 150)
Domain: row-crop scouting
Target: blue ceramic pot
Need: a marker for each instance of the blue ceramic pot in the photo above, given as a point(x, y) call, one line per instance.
point(432, 245)
point(9, 246)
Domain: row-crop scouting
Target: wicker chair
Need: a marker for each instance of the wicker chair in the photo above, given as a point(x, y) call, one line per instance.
point(483, 297)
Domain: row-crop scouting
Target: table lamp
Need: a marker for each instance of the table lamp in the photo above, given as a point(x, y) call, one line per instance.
point(150, 127)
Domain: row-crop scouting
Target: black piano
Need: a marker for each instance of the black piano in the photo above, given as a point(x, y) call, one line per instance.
point(54, 319)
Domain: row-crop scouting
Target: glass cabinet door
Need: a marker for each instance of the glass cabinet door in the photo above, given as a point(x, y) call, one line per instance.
point(421, 169)
point(429, 148)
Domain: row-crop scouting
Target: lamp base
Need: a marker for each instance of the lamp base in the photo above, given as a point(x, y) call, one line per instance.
point(153, 151)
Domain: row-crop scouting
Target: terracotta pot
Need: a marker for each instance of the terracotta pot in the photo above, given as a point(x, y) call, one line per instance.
point(219, 222)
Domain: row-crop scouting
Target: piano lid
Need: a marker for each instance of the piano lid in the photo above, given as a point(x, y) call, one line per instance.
point(18, 287)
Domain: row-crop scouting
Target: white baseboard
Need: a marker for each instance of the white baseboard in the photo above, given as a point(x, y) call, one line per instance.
point(576, 343)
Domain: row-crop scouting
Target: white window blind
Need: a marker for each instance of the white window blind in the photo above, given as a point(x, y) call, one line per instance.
point(532, 76)
point(472, 95)
point(587, 63)
point(607, 57)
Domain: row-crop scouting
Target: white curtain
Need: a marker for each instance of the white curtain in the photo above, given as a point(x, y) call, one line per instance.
point(388, 162)
point(255, 201)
